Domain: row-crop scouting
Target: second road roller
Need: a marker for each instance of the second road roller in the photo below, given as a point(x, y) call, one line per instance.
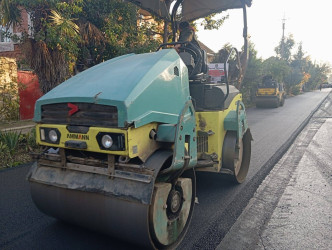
point(122, 140)
point(270, 94)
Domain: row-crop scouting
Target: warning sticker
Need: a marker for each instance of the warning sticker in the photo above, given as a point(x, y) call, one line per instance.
point(216, 72)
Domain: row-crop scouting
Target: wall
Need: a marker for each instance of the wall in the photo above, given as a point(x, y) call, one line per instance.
point(11, 49)
point(29, 93)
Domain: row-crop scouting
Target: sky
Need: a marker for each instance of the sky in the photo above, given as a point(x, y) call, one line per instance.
point(309, 22)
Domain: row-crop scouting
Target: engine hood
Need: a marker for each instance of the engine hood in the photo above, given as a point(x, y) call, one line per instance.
point(151, 87)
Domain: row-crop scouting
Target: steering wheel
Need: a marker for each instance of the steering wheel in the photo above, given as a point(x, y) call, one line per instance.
point(193, 50)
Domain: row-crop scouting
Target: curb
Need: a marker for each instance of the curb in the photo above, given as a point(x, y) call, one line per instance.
point(18, 128)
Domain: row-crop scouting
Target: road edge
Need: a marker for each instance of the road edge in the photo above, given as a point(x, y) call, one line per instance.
point(246, 231)
point(220, 227)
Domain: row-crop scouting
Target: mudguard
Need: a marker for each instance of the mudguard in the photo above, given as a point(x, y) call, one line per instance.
point(236, 120)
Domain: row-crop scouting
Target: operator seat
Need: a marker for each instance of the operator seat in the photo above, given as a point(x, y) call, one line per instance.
point(196, 61)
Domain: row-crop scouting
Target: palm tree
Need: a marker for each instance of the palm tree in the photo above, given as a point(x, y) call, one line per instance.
point(49, 59)
point(10, 14)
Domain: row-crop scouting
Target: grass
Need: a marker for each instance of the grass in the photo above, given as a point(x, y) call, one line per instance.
point(15, 148)
point(10, 140)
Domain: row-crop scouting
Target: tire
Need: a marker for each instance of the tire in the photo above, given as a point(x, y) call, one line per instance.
point(236, 155)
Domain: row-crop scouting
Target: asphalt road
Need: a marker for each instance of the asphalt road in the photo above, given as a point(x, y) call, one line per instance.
point(220, 203)
point(291, 209)
point(22, 226)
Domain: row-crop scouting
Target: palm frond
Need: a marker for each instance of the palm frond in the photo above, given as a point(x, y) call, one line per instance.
point(50, 65)
point(9, 13)
point(67, 26)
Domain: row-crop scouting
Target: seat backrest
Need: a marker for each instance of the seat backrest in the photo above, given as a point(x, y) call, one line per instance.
point(187, 58)
point(204, 62)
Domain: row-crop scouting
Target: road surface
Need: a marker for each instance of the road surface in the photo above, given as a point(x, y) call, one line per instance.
point(22, 226)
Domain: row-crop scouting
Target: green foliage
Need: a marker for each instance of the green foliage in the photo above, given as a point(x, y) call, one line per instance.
point(210, 23)
point(31, 138)
point(297, 71)
point(11, 140)
point(318, 75)
point(53, 48)
point(4, 155)
point(276, 67)
point(9, 102)
point(15, 147)
point(72, 35)
point(284, 49)
point(294, 77)
point(295, 90)
point(10, 14)
point(28, 140)
point(122, 31)
point(3, 149)
point(252, 76)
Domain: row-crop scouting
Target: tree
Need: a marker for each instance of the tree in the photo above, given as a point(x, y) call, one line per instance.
point(54, 44)
point(319, 74)
point(299, 59)
point(10, 13)
point(254, 73)
point(210, 22)
point(86, 33)
point(299, 65)
point(276, 67)
point(284, 49)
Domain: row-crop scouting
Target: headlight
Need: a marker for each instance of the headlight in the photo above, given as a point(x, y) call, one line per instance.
point(111, 141)
point(107, 141)
point(52, 135)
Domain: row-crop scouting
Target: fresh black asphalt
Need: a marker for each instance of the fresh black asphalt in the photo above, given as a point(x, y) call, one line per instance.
point(22, 226)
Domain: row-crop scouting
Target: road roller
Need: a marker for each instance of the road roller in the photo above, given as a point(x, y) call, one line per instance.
point(270, 93)
point(121, 142)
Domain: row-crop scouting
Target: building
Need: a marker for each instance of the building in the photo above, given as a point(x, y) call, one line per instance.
point(10, 47)
point(19, 85)
point(209, 52)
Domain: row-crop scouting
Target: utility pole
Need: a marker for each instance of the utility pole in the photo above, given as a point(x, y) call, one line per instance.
point(282, 52)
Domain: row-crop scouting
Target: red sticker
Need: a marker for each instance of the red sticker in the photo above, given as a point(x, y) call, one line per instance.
point(73, 110)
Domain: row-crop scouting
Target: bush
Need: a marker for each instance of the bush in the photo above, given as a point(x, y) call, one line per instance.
point(9, 102)
point(295, 90)
point(9, 142)
point(3, 150)
point(10, 139)
point(29, 140)
point(15, 148)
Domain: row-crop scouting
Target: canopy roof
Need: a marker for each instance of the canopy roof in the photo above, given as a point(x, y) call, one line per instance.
point(191, 9)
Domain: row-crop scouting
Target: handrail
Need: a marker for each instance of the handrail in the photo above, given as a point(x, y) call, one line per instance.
point(172, 43)
point(173, 23)
point(225, 68)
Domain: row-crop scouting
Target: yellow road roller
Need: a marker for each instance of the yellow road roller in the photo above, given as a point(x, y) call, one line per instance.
point(270, 94)
point(122, 140)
